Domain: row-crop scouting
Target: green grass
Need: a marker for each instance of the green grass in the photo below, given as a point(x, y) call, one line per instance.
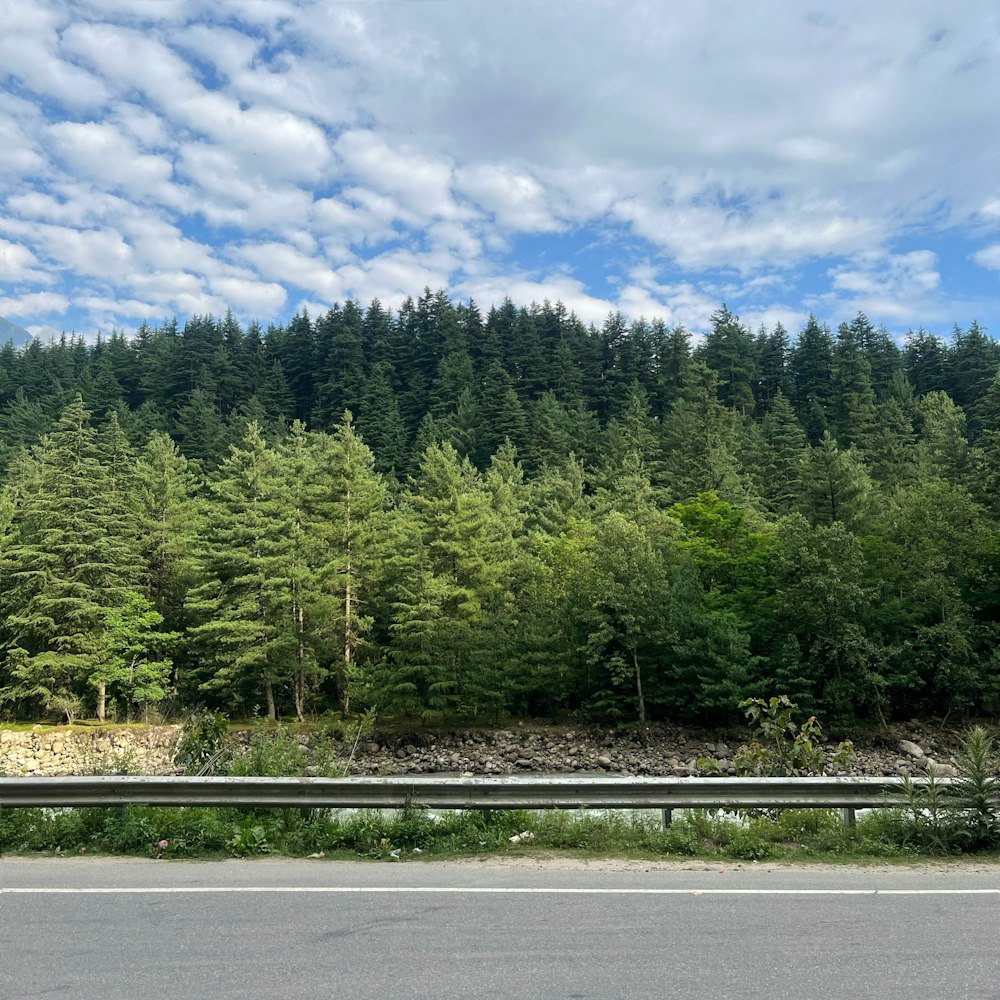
point(197, 832)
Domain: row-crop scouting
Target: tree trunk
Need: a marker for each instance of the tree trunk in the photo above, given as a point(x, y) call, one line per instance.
point(272, 711)
point(343, 689)
point(638, 687)
point(344, 679)
point(101, 700)
point(300, 674)
point(300, 691)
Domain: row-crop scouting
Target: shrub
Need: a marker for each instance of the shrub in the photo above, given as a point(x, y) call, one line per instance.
point(781, 747)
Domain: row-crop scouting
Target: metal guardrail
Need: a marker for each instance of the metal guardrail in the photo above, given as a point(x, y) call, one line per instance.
point(450, 792)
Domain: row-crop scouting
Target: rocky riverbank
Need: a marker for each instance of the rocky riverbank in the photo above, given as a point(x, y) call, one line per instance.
point(652, 750)
point(657, 749)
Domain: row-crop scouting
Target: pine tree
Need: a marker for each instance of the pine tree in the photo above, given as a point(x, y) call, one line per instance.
point(779, 464)
point(380, 421)
point(811, 366)
point(942, 449)
point(835, 485)
point(246, 562)
point(339, 336)
point(926, 360)
point(22, 422)
point(501, 415)
point(171, 516)
point(200, 431)
point(68, 560)
point(853, 397)
point(450, 595)
point(729, 350)
point(773, 353)
point(345, 504)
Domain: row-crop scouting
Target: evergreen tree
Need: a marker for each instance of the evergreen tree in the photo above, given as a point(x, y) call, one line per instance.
point(171, 517)
point(345, 507)
point(246, 600)
point(853, 395)
point(811, 368)
point(381, 422)
point(501, 415)
point(67, 561)
point(926, 360)
point(773, 352)
point(199, 430)
point(450, 597)
point(340, 341)
point(729, 350)
point(942, 449)
point(779, 462)
point(835, 486)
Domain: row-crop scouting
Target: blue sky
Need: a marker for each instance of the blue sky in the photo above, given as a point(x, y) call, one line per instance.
point(173, 157)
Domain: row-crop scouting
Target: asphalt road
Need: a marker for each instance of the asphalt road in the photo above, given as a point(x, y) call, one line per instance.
point(122, 930)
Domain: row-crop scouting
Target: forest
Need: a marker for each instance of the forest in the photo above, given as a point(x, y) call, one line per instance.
point(445, 515)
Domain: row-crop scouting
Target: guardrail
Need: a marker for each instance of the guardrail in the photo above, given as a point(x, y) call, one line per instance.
point(451, 792)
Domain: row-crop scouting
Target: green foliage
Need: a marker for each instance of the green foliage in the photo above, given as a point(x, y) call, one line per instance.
point(204, 742)
point(795, 834)
point(782, 747)
point(272, 752)
point(976, 790)
point(964, 815)
point(599, 521)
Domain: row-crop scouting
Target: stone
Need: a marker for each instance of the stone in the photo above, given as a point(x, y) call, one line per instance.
point(941, 770)
point(604, 760)
point(911, 749)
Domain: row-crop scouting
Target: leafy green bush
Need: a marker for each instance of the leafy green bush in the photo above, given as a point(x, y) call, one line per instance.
point(204, 745)
point(781, 746)
point(271, 753)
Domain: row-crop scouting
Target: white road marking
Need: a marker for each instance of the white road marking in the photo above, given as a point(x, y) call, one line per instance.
point(483, 890)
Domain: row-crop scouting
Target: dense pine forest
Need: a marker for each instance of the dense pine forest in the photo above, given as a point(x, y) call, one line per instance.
point(448, 515)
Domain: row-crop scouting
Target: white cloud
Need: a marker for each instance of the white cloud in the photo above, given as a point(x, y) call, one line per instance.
point(420, 184)
point(33, 304)
point(182, 153)
point(902, 274)
point(713, 235)
point(247, 297)
point(19, 264)
point(516, 200)
point(895, 288)
point(988, 257)
point(98, 150)
point(29, 51)
point(284, 263)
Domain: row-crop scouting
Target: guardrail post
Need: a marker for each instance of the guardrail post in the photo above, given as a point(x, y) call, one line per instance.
point(667, 815)
point(850, 819)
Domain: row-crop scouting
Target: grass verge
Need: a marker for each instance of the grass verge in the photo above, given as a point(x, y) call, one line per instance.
point(199, 832)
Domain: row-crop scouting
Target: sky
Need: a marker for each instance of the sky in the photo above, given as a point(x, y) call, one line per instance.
point(164, 158)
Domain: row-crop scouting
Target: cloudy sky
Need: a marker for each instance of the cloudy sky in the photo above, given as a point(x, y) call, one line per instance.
point(166, 157)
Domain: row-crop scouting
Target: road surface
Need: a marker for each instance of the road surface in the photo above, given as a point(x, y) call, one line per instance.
point(87, 928)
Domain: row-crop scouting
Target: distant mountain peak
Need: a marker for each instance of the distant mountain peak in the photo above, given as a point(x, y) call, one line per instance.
point(11, 331)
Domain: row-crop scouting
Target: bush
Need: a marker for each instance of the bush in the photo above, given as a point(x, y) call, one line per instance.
point(781, 747)
point(204, 745)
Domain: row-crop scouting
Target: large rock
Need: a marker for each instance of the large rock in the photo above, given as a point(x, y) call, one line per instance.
point(941, 770)
point(911, 749)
